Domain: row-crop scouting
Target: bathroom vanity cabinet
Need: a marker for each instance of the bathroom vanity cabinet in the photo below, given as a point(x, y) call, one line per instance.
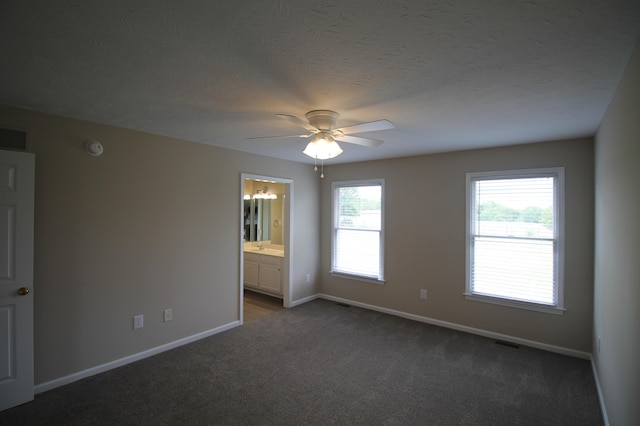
point(263, 272)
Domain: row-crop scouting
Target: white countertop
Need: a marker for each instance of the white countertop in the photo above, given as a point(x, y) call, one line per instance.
point(266, 249)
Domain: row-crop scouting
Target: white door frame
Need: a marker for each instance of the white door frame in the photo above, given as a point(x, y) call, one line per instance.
point(287, 239)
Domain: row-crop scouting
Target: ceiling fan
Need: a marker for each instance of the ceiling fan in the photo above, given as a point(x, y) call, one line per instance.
point(321, 124)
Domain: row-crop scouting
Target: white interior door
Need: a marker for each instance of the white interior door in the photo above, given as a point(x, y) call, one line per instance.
point(16, 277)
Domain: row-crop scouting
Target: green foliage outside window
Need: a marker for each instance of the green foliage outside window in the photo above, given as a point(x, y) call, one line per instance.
point(351, 204)
point(492, 211)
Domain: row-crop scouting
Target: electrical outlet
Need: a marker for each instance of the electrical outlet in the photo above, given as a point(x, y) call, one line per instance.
point(138, 322)
point(423, 293)
point(168, 314)
point(308, 278)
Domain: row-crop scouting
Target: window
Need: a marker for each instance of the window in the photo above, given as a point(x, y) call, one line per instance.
point(357, 241)
point(515, 238)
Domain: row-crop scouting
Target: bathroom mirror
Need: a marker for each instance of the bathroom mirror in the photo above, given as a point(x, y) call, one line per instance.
point(257, 216)
point(263, 212)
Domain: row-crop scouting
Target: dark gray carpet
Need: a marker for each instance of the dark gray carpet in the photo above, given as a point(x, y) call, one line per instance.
point(322, 364)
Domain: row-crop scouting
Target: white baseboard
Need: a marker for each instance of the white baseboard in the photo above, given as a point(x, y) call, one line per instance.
point(466, 329)
point(43, 387)
point(304, 300)
point(603, 407)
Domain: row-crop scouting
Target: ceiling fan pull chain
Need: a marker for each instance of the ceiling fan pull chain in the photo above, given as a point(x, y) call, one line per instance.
point(322, 169)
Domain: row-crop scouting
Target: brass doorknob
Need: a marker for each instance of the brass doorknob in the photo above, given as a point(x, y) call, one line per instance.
point(22, 291)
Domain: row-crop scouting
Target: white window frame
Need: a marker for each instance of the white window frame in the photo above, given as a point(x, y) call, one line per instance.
point(334, 228)
point(558, 236)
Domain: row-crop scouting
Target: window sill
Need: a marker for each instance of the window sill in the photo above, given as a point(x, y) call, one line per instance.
point(357, 277)
point(516, 304)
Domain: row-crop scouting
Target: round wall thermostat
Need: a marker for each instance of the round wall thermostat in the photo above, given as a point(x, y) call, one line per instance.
point(93, 148)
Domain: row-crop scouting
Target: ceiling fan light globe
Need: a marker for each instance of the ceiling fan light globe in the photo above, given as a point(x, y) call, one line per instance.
point(322, 149)
point(311, 149)
point(333, 149)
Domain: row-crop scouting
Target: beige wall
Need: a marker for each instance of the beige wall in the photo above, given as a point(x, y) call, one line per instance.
point(425, 240)
point(153, 223)
point(617, 251)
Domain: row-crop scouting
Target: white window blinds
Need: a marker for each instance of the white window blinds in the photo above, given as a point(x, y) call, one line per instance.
point(357, 229)
point(514, 237)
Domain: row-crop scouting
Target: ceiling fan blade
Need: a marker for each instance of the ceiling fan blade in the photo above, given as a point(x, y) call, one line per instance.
point(298, 122)
point(359, 140)
point(372, 126)
point(281, 137)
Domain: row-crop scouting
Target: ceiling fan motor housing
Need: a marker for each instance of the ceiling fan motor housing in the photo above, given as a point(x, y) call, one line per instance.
point(322, 119)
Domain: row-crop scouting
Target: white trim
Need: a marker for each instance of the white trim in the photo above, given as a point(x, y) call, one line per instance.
point(61, 381)
point(538, 307)
point(287, 240)
point(43, 387)
point(364, 278)
point(603, 407)
point(304, 300)
point(464, 328)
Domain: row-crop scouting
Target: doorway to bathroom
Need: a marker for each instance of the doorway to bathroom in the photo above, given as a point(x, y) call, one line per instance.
point(266, 206)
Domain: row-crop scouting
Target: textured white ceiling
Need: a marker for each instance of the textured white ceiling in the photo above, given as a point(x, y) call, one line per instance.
point(450, 75)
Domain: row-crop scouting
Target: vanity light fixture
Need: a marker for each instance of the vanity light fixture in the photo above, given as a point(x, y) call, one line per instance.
point(265, 197)
point(263, 194)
